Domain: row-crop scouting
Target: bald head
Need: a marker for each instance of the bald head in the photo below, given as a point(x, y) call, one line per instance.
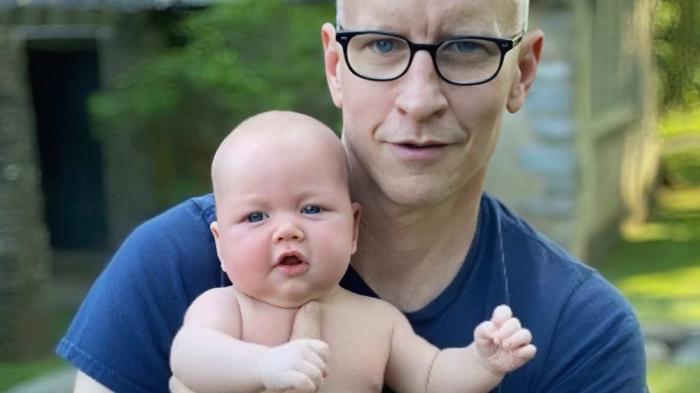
point(277, 137)
point(519, 17)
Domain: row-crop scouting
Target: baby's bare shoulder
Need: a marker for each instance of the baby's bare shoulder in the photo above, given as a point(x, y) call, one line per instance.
point(369, 308)
point(213, 305)
point(223, 295)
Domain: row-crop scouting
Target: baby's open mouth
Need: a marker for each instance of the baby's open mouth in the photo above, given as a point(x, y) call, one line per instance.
point(290, 260)
point(292, 264)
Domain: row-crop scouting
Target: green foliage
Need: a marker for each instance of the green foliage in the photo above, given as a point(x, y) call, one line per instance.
point(677, 51)
point(238, 58)
point(13, 373)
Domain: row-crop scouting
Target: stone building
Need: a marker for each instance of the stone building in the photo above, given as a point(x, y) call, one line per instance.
point(63, 192)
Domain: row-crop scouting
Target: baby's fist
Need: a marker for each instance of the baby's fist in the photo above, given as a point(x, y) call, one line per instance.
point(502, 343)
point(298, 364)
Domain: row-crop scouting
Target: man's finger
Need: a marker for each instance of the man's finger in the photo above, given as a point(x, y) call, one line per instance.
point(307, 322)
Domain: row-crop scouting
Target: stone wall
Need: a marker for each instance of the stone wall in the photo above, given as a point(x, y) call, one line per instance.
point(581, 156)
point(24, 242)
point(535, 169)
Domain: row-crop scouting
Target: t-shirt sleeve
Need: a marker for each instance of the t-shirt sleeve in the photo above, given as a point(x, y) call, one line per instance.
point(597, 345)
point(122, 332)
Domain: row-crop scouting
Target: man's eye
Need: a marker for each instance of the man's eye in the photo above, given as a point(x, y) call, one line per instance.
point(310, 209)
point(256, 216)
point(465, 46)
point(383, 45)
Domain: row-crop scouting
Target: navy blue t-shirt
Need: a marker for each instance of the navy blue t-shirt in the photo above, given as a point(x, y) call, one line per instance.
point(587, 336)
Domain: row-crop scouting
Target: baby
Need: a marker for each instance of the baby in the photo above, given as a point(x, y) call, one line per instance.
point(284, 234)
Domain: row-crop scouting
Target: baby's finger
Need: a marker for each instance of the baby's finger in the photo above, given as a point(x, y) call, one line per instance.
point(301, 382)
point(527, 352)
point(501, 314)
point(508, 328)
point(484, 332)
point(320, 347)
point(518, 339)
point(312, 372)
point(318, 362)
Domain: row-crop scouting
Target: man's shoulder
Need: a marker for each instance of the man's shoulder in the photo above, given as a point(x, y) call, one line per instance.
point(520, 240)
point(198, 210)
point(178, 238)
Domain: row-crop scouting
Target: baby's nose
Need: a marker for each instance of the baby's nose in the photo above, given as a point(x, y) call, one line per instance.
point(288, 231)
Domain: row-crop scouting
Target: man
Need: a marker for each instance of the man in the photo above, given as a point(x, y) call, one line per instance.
point(420, 124)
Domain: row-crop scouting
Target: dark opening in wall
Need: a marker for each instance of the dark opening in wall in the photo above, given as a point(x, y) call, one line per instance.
point(62, 74)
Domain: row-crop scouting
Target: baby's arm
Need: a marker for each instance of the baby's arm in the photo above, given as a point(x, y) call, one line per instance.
point(208, 356)
point(415, 366)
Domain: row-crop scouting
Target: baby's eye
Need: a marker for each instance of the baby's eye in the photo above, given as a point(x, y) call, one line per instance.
point(311, 209)
point(256, 216)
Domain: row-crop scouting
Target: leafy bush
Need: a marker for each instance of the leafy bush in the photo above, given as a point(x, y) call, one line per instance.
point(678, 53)
point(238, 58)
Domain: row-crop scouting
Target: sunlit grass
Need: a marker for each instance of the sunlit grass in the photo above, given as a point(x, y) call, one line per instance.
point(657, 263)
point(663, 378)
point(680, 122)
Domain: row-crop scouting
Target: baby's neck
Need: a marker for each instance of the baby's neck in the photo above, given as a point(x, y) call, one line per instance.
point(267, 324)
point(264, 323)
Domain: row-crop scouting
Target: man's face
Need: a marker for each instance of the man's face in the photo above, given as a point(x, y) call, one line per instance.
point(418, 140)
point(285, 225)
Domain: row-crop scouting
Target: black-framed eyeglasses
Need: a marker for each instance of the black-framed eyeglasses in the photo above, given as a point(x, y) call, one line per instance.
point(464, 61)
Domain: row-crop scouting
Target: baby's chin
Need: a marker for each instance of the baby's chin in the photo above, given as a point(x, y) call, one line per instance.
point(296, 300)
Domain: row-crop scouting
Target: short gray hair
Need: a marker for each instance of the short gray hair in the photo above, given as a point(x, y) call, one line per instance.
point(338, 12)
point(523, 12)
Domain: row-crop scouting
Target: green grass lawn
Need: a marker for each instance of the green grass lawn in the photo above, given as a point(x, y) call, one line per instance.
point(657, 263)
point(14, 373)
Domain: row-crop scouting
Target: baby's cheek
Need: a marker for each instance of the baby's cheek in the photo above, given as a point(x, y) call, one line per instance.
point(247, 274)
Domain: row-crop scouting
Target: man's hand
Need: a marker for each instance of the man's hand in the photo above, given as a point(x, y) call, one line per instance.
point(300, 364)
point(501, 343)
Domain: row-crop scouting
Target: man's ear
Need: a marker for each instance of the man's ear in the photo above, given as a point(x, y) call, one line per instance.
point(332, 58)
point(356, 209)
point(214, 227)
point(528, 60)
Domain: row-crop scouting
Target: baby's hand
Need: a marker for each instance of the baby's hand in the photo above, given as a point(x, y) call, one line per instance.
point(298, 364)
point(501, 343)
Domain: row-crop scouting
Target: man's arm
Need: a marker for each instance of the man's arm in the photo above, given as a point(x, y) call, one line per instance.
point(597, 345)
point(85, 384)
point(123, 331)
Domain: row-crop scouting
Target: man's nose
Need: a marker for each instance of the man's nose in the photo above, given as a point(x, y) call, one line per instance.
point(288, 230)
point(421, 96)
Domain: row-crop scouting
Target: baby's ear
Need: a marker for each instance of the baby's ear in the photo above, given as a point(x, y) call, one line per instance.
point(214, 227)
point(356, 209)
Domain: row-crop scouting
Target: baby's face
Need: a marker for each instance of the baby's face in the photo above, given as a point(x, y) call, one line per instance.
point(286, 227)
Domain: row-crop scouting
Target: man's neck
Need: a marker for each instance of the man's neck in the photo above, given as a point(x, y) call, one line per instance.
point(409, 256)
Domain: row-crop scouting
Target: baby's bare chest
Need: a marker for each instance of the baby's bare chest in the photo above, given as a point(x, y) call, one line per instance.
point(359, 346)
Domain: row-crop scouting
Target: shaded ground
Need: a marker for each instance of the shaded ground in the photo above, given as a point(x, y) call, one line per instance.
point(73, 273)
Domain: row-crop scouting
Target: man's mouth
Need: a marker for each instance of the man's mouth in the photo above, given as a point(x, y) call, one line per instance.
point(409, 151)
